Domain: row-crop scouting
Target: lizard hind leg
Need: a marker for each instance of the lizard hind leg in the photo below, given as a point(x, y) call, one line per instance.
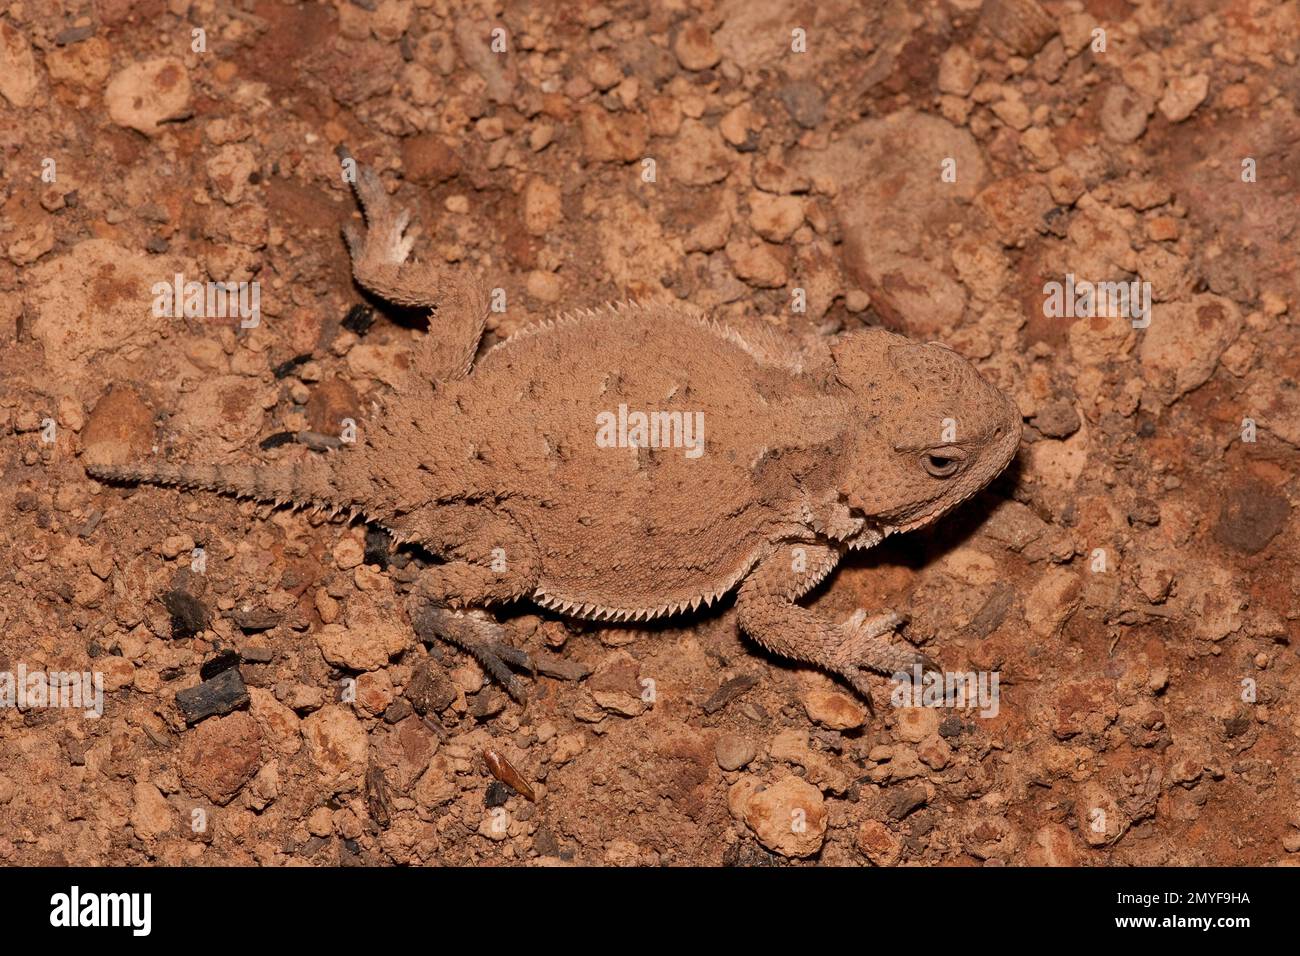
point(441, 603)
point(379, 264)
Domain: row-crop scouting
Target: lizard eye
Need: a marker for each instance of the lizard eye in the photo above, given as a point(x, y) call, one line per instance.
point(943, 462)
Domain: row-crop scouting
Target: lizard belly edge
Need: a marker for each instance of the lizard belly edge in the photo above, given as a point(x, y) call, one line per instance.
point(557, 597)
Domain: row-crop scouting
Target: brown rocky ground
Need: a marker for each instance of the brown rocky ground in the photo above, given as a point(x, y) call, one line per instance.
point(1132, 579)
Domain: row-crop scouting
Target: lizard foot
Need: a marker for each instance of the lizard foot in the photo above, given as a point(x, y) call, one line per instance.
point(481, 637)
point(867, 646)
point(384, 240)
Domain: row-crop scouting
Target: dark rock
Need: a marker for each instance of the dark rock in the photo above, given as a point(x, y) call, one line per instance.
point(906, 801)
point(219, 695)
point(749, 854)
point(1144, 511)
point(430, 689)
point(1057, 420)
point(377, 544)
point(487, 704)
point(74, 35)
point(397, 711)
point(287, 368)
point(1251, 516)
point(223, 660)
point(277, 440)
point(189, 614)
point(561, 668)
point(318, 442)
point(359, 319)
point(153, 212)
point(728, 692)
point(497, 794)
point(804, 102)
point(544, 842)
point(950, 727)
point(990, 616)
point(91, 523)
point(1236, 726)
point(378, 803)
point(255, 619)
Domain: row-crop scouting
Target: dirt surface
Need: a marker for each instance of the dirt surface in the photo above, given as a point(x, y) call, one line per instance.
point(931, 167)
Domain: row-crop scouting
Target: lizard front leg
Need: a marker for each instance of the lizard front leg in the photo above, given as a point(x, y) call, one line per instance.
point(379, 263)
point(768, 613)
point(496, 563)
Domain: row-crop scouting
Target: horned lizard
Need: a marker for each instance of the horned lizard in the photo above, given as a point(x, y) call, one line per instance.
point(638, 460)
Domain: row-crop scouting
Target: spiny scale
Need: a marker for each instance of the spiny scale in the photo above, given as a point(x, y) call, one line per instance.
point(601, 612)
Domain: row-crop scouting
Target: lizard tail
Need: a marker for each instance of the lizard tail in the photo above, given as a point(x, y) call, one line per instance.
point(310, 482)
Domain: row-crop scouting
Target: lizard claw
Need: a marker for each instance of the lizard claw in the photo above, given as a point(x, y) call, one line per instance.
point(866, 628)
point(479, 636)
point(862, 688)
point(867, 647)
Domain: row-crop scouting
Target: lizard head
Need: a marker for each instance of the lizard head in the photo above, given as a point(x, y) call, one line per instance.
point(931, 431)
